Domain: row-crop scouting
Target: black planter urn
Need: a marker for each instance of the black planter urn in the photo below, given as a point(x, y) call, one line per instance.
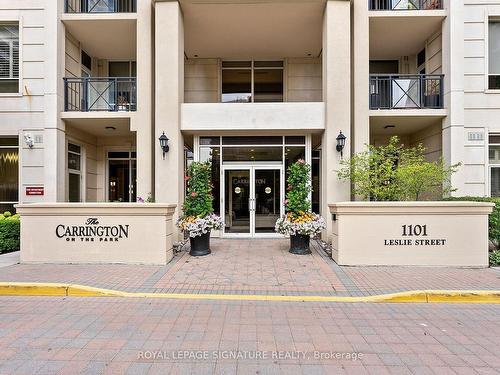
point(299, 244)
point(200, 246)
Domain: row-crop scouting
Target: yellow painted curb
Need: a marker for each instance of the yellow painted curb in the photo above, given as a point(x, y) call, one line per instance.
point(416, 296)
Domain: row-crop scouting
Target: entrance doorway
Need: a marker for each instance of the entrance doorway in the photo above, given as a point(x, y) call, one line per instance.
point(252, 199)
point(122, 176)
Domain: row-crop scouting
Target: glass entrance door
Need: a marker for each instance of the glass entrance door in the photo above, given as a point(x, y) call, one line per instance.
point(252, 199)
point(122, 176)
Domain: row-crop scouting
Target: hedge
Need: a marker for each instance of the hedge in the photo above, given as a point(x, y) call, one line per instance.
point(10, 227)
point(494, 221)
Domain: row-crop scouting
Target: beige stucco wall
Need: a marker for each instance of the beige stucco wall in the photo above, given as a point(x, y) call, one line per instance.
point(137, 221)
point(456, 233)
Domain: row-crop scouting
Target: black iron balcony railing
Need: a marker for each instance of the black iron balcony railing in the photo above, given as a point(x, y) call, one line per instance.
point(405, 4)
point(410, 91)
point(93, 94)
point(100, 6)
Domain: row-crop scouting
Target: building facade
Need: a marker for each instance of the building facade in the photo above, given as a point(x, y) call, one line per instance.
point(87, 87)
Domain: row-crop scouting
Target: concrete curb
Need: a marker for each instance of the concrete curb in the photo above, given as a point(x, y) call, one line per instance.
point(415, 296)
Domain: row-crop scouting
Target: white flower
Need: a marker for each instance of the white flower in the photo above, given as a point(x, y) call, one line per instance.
point(307, 228)
point(196, 226)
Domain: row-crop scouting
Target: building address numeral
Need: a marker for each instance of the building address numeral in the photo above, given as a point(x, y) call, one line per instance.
point(414, 230)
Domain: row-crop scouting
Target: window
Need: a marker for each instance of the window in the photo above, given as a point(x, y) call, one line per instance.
point(252, 81)
point(74, 173)
point(9, 57)
point(494, 161)
point(9, 173)
point(494, 55)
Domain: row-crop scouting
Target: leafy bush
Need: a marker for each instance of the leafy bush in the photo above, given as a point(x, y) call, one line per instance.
point(396, 173)
point(299, 186)
point(10, 227)
point(199, 197)
point(494, 220)
point(198, 217)
point(495, 258)
point(299, 220)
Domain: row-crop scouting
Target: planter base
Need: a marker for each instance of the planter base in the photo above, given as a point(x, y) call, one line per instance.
point(299, 245)
point(200, 246)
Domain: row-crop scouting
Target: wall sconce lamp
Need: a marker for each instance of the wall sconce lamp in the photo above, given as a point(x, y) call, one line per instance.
point(28, 139)
point(341, 143)
point(164, 144)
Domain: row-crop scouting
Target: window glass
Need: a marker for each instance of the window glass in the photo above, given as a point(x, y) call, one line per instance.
point(494, 55)
point(494, 154)
point(119, 69)
point(252, 140)
point(118, 155)
point(268, 64)
point(9, 174)
point(209, 141)
point(74, 187)
point(9, 57)
point(252, 154)
point(9, 141)
point(300, 140)
point(268, 85)
point(236, 64)
point(237, 86)
point(495, 182)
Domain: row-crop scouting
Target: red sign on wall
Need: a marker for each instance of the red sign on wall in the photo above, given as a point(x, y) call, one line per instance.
point(34, 190)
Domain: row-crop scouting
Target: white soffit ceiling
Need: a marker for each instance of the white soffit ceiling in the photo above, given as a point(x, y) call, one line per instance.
point(253, 29)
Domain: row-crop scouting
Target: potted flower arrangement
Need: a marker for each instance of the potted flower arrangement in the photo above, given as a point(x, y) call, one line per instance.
point(299, 222)
point(198, 218)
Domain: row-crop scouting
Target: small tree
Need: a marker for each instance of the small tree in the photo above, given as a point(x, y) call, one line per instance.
point(373, 172)
point(199, 197)
point(393, 172)
point(299, 187)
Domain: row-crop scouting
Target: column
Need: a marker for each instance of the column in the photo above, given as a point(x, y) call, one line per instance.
point(169, 94)
point(54, 136)
point(337, 98)
point(361, 76)
point(142, 120)
point(453, 69)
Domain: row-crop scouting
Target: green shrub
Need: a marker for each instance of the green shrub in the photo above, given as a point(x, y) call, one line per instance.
point(299, 186)
point(495, 258)
point(198, 202)
point(394, 172)
point(10, 226)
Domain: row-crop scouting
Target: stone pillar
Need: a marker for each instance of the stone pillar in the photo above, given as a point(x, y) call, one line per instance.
point(337, 98)
point(169, 94)
point(360, 40)
point(142, 120)
point(453, 70)
point(54, 136)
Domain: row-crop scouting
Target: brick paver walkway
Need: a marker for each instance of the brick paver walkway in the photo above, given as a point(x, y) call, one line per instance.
point(257, 267)
point(42, 335)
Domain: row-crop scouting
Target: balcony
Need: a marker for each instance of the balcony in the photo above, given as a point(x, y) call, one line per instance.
point(405, 4)
point(100, 6)
point(414, 91)
point(100, 94)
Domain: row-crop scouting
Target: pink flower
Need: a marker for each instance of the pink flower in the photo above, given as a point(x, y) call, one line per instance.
point(301, 161)
point(194, 194)
point(285, 202)
point(186, 178)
